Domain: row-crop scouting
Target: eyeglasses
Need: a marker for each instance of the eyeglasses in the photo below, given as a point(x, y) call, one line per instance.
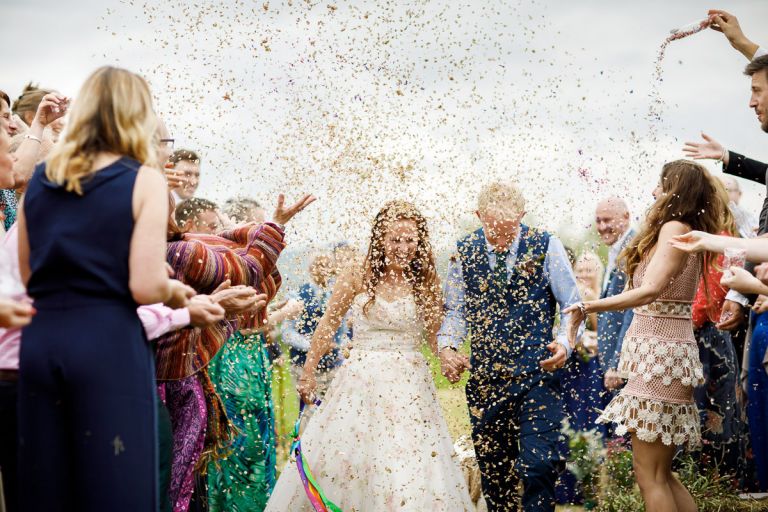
point(167, 143)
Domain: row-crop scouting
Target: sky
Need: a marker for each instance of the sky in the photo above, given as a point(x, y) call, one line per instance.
point(367, 101)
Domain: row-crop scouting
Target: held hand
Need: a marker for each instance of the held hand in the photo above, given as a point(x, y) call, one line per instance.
point(307, 386)
point(739, 279)
point(558, 359)
point(180, 294)
point(176, 179)
point(612, 380)
point(283, 214)
point(14, 313)
point(204, 312)
point(694, 242)
point(731, 317)
point(710, 149)
point(451, 364)
point(52, 107)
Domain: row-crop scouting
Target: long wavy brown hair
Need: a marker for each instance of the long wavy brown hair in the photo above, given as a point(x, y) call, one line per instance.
point(689, 195)
point(420, 272)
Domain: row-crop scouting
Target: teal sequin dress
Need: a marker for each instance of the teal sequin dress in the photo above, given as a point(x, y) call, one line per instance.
point(241, 373)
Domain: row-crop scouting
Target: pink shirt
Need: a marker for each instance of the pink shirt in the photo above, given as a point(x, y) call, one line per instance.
point(157, 319)
point(10, 287)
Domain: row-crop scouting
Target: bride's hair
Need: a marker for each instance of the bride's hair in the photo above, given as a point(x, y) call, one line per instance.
point(691, 195)
point(420, 272)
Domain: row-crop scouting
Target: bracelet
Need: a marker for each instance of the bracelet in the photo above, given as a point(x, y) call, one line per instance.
point(722, 157)
point(583, 308)
point(32, 137)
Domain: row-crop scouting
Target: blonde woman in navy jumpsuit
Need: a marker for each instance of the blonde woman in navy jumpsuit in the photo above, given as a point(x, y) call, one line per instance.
point(92, 247)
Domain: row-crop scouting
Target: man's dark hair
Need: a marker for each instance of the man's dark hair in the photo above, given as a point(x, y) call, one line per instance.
point(240, 208)
point(192, 208)
point(184, 155)
point(757, 65)
point(4, 96)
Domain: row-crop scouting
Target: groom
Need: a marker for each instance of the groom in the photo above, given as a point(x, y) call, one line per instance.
point(503, 288)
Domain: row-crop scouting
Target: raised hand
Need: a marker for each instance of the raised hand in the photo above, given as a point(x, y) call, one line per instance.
point(710, 149)
point(727, 24)
point(176, 179)
point(283, 214)
point(53, 106)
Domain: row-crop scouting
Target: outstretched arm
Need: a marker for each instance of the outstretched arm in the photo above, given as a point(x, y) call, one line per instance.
point(346, 289)
point(666, 263)
point(699, 241)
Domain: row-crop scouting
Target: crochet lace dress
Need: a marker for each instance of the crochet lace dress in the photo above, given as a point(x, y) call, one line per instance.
point(660, 359)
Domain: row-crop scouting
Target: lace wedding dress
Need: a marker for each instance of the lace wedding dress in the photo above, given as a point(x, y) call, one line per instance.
point(379, 441)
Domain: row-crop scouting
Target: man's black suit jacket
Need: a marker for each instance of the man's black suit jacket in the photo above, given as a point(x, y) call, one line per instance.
point(743, 167)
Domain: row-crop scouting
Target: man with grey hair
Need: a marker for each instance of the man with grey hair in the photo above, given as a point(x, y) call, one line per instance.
point(503, 287)
point(612, 221)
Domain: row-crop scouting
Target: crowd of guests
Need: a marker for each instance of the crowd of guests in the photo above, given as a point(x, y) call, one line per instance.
point(139, 327)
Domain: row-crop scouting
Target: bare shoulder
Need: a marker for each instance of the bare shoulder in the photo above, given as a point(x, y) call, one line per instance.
point(673, 228)
point(150, 177)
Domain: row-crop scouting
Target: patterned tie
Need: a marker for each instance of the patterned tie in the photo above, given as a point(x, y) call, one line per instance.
point(500, 270)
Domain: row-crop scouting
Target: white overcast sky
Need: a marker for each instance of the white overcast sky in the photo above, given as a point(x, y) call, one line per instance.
point(360, 102)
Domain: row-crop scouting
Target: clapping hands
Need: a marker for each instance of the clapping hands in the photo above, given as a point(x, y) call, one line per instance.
point(453, 364)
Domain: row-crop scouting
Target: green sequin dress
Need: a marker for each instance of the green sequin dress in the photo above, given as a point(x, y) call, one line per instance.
point(244, 479)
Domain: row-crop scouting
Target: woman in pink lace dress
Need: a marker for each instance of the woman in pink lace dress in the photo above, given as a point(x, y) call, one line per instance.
point(659, 356)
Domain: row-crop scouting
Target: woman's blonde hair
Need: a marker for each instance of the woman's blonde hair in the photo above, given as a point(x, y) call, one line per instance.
point(113, 114)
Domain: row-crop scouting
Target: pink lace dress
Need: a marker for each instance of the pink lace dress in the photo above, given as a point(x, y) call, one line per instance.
point(660, 359)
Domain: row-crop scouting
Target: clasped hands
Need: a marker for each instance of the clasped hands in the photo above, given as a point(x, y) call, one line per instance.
point(453, 364)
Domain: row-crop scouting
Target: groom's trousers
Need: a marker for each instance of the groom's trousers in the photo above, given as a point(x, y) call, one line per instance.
point(516, 423)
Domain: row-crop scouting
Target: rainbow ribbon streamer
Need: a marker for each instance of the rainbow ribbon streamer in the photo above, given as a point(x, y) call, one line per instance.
point(316, 496)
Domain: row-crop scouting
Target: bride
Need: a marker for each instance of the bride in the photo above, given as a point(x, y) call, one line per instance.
point(379, 440)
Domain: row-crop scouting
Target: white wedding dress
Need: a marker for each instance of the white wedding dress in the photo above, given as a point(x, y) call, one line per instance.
point(379, 442)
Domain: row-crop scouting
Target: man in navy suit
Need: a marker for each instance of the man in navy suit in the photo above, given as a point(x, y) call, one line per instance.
point(613, 225)
point(503, 289)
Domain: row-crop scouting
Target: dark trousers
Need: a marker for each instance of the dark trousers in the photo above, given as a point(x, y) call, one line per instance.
point(9, 444)
point(87, 413)
point(516, 432)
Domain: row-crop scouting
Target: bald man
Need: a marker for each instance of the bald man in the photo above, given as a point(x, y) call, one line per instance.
point(612, 221)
